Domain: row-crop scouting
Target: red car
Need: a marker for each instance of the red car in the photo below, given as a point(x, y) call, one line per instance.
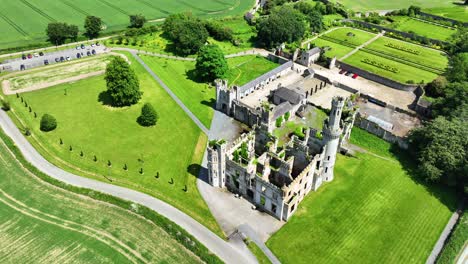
point(29, 56)
point(342, 71)
point(355, 76)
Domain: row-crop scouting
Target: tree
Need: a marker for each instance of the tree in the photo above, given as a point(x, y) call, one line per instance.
point(189, 34)
point(173, 23)
point(48, 123)
point(211, 63)
point(305, 7)
point(57, 32)
point(218, 31)
point(283, 25)
point(93, 25)
point(441, 149)
point(122, 83)
point(436, 87)
point(316, 21)
point(459, 70)
point(72, 32)
point(459, 40)
point(149, 116)
point(455, 99)
point(137, 21)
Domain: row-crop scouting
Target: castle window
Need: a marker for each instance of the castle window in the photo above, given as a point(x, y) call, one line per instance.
point(326, 169)
point(273, 208)
point(305, 186)
point(328, 158)
point(263, 189)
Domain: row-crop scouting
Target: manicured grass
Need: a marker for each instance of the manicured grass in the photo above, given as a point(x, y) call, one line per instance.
point(373, 212)
point(261, 257)
point(372, 143)
point(457, 241)
point(405, 74)
point(357, 38)
point(44, 224)
point(457, 12)
point(30, 18)
point(173, 149)
point(328, 19)
point(422, 28)
point(333, 49)
point(427, 57)
point(371, 5)
point(199, 96)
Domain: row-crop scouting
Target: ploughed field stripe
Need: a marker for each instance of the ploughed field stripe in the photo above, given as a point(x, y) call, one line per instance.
point(154, 7)
point(37, 10)
point(68, 3)
point(114, 7)
point(196, 7)
point(14, 25)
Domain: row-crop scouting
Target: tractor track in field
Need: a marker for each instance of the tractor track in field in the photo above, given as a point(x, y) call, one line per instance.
point(154, 7)
point(102, 236)
point(114, 7)
point(14, 25)
point(38, 10)
point(79, 10)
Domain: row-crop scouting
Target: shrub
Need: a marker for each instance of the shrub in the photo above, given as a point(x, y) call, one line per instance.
point(148, 117)
point(279, 121)
point(48, 123)
point(286, 116)
point(6, 105)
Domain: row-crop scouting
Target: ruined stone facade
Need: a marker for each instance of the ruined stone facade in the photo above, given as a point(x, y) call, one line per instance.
point(277, 179)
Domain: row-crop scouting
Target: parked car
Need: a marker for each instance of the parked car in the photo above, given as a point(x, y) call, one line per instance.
point(62, 59)
point(88, 53)
point(78, 55)
point(93, 52)
point(29, 56)
point(41, 53)
point(82, 46)
point(98, 44)
point(92, 45)
point(349, 73)
point(68, 58)
point(78, 47)
point(342, 71)
point(46, 62)
point(355, 76)
point(22, 67)
point(36, 54)
point(23, 57)
point(57, 59)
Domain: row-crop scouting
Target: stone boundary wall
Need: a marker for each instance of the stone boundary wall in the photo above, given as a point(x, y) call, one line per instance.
point(276, 58)
point(435, 17)
point(377, 78)
point(403, 33)
point(375, 129)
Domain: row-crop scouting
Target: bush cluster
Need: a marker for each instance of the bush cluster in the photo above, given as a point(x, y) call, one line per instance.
point(381, 65)
point(402, 48)
point(48, 123)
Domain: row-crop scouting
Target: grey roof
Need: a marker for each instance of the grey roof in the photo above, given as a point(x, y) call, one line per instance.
point(293, 96)
point(313, 51)
point(281, 109)
point(265, 76)
point(382, 123)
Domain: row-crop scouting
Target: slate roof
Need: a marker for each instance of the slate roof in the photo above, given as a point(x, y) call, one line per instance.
point(265, 76)
point(293, 96)
point(313, 51)
point(281, 109)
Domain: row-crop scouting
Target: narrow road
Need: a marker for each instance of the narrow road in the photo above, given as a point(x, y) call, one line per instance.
point(363, 45)
point(229, 252)
point(166, 88)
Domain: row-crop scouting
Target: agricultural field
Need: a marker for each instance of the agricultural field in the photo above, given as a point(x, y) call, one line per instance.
point(374, 5)
point(455, 11)
point(422, 28)
point(41, 223)
point(373, 212)
point(25, 21)
point(162, 161)
point(199, 96)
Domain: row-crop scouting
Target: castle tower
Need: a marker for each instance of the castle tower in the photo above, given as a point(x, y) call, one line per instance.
point(224, 96)
point(217, 163)
point(331, 137)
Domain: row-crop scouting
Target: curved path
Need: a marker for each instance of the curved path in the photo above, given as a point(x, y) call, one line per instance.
point(229, 252)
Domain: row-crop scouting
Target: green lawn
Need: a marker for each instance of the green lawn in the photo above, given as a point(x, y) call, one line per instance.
point(372, 5)
point(406, 73)
point(44, 224)
point(199, 97)
point(422, 28)
point(353, 37)
point(173, 148)
point(261, 257)
point(427, 57)
point(457, 12)
point(373, 212)
point(333, 49)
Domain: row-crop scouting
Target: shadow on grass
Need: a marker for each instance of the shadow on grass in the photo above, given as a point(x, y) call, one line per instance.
point(211, 103)
point(444, 194)
point(198, 171)
point(193, 76)
point(105, 99)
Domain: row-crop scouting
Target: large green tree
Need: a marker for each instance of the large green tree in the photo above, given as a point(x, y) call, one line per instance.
point(211, 63)
point(458, 72)
point(122, 83)
point(441, 148)
point(137, 21)
point(188, 33)
point(58, 32)
point(455, 99)
point(92, 25)
point(283, 25)
point(315, 21)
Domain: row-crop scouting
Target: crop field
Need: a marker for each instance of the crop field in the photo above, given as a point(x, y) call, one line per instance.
point(26, 20)
point(373, 212)
point(107, 144)
point(455, 11)
point(41, 223)
point(372, 5)
point(199, 96)
point(422, 28)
